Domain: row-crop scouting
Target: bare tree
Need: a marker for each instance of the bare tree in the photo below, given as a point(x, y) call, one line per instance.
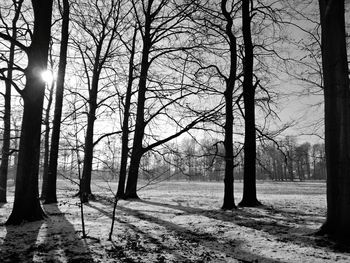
point(5, 151)
point(218, 27)
point(229, 201)
point(102, 31)
point(249, 187)
point(26, 205)
point(126, 116)
point(161, 25)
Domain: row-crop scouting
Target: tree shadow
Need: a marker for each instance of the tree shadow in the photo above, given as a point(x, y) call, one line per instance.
point(185, 239)
point(20, 242)
point(133, 233)
point(286, 226)
point(51, 240)
point(61, 240)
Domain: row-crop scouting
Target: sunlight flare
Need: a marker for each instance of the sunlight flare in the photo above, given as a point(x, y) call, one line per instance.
point(48, 77)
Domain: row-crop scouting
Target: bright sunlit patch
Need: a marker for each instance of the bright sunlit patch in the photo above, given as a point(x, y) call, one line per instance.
point(48, 77)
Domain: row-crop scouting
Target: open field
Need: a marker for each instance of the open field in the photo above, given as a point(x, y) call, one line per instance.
point(177, 222)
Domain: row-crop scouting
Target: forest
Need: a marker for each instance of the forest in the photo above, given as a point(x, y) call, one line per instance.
point(174, 131)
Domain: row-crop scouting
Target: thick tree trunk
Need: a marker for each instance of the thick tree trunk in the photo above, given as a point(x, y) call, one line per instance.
point(50, 195)
point(249, 185)
point(125, 128)
point(337, 120)
point(26, 205)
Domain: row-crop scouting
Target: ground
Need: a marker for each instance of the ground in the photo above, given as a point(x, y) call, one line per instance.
point(177, 222)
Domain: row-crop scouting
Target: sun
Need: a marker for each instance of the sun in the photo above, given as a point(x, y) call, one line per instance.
point(48, 77)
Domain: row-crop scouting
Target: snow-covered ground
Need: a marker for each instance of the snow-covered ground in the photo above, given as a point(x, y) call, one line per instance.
point(177, 222)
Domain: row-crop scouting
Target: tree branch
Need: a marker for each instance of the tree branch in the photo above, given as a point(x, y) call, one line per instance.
point(15, 42)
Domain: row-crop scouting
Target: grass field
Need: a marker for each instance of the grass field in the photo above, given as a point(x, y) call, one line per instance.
point(177, 222)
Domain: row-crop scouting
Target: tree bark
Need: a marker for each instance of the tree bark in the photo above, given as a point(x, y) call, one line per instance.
point(26, 205)
point(50, 195)
point(249, 177)
point(337, 120)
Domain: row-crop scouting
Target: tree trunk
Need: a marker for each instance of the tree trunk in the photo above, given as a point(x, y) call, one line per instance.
point(337, 120)
point(137, 149)
point(131, 186)
point(50, 195)
point(46, 144)
point(229, 200)
point(85, 186)
point(249, 177)
point(26, 205)
point(125, 128)
point(5, 152)
point(16, 146)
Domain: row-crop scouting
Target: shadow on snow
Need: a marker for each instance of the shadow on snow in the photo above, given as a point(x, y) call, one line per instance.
point(50, 240)
point(276, 222)
point(184, 237)
point(286, 226)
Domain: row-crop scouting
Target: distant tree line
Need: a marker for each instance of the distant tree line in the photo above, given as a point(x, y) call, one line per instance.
point(285, 160)
point(290, 161)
